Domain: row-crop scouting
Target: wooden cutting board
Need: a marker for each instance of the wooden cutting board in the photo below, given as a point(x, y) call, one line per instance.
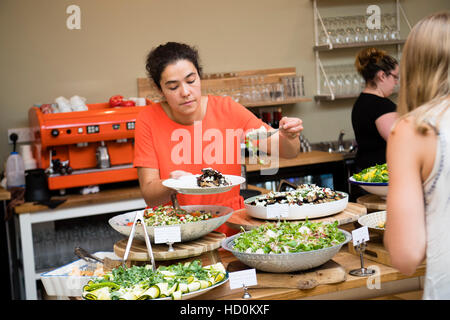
point(138, 250)
point(372, 202)
point(330, 272)
point(350, 214)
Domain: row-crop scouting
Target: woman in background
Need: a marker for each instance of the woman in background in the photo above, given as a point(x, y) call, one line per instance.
point(373, 114)
point(418, 158)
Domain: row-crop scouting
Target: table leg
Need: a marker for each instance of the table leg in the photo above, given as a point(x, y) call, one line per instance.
point(29, 270)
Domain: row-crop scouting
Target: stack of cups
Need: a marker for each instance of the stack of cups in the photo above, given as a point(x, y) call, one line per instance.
point(27, 156)
point(63, 104)
point(78, 103)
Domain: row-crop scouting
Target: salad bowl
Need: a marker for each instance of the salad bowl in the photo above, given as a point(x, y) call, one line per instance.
point(285, 262)
point(189, 231)
point(256, 207)
point(377, 188)
point(374, 221)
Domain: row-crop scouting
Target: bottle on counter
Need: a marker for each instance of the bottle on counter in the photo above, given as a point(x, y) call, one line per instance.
point(15, 171)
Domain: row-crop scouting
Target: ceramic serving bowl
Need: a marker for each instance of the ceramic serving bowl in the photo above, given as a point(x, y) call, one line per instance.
point(189, 231)
point(297, 212)
point(377, 188)
point(373, 220)
point(285, 262)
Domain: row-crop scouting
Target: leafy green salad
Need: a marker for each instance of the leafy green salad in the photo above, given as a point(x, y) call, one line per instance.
point(142, 283)
point(288, 237)
point(378, 173)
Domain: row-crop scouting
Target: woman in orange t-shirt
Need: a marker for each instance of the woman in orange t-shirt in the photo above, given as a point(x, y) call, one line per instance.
point(188, 132)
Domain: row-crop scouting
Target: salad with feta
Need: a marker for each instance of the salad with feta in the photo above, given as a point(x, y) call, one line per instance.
point(304, 194)
point(142, 283)
point(288, 237)
point(168, 215)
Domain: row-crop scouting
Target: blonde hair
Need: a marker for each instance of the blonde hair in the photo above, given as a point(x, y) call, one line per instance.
point(424, 70)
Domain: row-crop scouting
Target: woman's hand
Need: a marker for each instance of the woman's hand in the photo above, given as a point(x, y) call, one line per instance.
point(290, 127)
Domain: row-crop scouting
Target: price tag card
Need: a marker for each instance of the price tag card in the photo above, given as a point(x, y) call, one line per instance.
point(278, 210)
point(167, 234)
point(360, 235)
point(244, 277)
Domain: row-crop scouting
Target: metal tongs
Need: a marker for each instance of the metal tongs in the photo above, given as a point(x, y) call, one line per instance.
point(139, 217)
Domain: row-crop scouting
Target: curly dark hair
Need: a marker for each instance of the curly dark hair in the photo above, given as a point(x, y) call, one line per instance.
point(165, 54)
point(371, 60)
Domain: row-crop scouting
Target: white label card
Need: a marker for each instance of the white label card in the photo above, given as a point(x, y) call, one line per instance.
point(167, 234)
point(278, 210)
point(360, 235)
point(244, 277)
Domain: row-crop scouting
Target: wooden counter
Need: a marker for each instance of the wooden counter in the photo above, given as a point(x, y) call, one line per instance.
point(4, 194)
point(75, 200)
point(347, 260)
point(302, 159)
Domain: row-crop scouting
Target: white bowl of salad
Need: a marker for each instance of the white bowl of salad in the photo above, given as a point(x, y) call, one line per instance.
point(287, 246)
point(374, 180)
point(307, 201)
point(195, 221)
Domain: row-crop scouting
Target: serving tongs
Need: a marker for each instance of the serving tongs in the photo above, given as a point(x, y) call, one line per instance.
point(139, 218)
point(108, 264)
point(284, 184)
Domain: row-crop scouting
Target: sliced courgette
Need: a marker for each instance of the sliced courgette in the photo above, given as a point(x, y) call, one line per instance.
point(219, 277)
point(194, 286)
point(183, 287)
point(90, 296)
point(176, 295)
point(205, 284)
point(163, 286)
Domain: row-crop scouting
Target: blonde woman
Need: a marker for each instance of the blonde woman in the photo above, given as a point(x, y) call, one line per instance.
point(418, 158)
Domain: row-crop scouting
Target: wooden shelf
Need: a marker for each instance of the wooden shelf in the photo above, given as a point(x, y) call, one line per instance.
point(336, 97)
point(325, 47)
point(276, 102)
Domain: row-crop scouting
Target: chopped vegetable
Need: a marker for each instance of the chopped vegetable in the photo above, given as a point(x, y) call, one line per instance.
point(168, 215)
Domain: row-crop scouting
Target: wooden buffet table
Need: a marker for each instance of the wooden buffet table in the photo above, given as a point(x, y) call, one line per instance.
point(4, 194)
point(390, 282)
point(127, 199)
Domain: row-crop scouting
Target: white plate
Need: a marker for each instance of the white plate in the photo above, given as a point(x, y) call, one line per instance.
point(297, 212)
point(188, 184)
point(189, 231)
point(377, 188)
point(58, 282)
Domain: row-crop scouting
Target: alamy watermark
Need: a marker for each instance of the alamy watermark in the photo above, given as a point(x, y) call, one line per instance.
point(73, 21)
point(220, 148)
point(374, 19)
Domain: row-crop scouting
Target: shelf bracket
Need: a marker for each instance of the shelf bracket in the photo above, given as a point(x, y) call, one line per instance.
point(326, 79)
point(317, 16)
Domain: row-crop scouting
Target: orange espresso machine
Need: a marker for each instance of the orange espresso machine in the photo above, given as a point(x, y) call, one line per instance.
point(83, 148)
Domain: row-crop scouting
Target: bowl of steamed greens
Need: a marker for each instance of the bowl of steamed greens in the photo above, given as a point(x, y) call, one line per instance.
point(287, 246)
point(374, 180)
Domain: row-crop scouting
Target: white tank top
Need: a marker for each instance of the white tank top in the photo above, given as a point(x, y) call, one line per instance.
point(437, 217)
